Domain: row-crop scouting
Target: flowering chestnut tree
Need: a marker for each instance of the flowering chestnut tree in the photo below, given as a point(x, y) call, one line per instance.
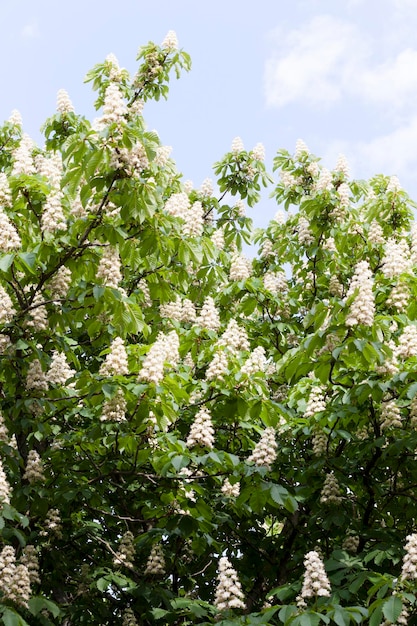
point(188, 436)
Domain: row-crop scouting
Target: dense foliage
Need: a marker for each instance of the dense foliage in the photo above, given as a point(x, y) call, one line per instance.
point(188, 436)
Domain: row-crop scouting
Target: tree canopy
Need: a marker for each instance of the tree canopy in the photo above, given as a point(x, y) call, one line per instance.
point(188, 435)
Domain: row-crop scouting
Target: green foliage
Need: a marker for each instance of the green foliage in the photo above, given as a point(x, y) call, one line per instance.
point(170, 408)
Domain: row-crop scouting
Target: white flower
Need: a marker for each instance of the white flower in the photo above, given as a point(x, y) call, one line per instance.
point(126, 553)
point(59, 371)
point(240, 268)
point(116, 360)
point(5, 191)
point(409, 568)
point(194, 222)
point(60, 282)
point(407, 342)
point(275, 282)
point(237, 145)
point(351, 543)
point(63, 102)
point(396, 258)
point(343, 191)
point(375, 233)
point(218, 366)
point(170, 41)
point(29, 558)
point(265, 451)
point(232, 491)
point(156, 562)
point(201, 431)
point(258, 152)
point(393, 184)
point(162, 155)
point(36, 378)
point(362, 309)
point(114, 410)
point(22, 157)
point(7, 309)
point(330, 493)
point(109, 268)
point(34, 468)
point(325, 180)
point(316, 402)
point(390, 415)
point(399, 297)
point(51, 168)
point(9, 238)
point(5, 491)
point(209, 316)
point(315, 581)
point(234, 338)
point(165, 348)
point(206, 188)
point(178, 205)
point(300, 149)
point(15, 118)
point(229, 591)
point(114, 107)
point(342, 166)
point(305, 236)
point(53, 218)
point(256, 362)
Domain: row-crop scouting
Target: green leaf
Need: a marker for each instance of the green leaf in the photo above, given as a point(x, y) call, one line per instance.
point(5, 261)
point(38, 604)
point(392, 608)
point(11, 618)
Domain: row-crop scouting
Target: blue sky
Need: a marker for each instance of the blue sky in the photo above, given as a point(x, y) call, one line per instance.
point(339, 74)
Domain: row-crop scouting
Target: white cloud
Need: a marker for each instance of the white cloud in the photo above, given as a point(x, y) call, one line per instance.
point(30, 31)
point(314, 63)
point(329, 59)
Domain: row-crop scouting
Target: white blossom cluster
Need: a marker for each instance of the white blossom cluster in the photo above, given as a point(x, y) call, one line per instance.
point(234, 338)
point(399, 297)
point(179, 310)
point(229, 593)
point(407, 342)
point(14, 578)
point(319, 443)
point(209, 315)
point(217, 366)
point(316, 401)
point(240, 268)
point(258, 152)
point(59, 370)
point(325, 180)
point(237, 145)
point(116, 362)
point(256, 362)
point(5, 491)
point(305, 236)
point(287, 179)
point(342, 166)
point(330, 493)
point(390, 415)
point(52, 525)
point(5, 191)
point(335, 287)
point(109, 268)
point(351, 543)
point(63, 102)
point(156, 563)
point(206, 188)
point(165, 349)
point(301, 149)
point(376, 234)
point(194, 220)
point(7, 309)
point(315, 581)
point(29, 558)
point(125, 555)
point(265, 451)
point(390, 364)
point(114, 108)
point(396, 259)
point(53, 218)
point(393, 184)
point(178, 205)
point(267, 249)
point(170, 41)
point(134, 160)
point(201, 431)
point(36, 377)
point(34, 468)
point(116, 73)
point(60, 282)
point(217, 238)
point(114, 410)
point(362, 309)
point(38, 315)
point(9, 237)
point(22, 157)
point(15, 118)
point(230, 490)
point(4, 433)
point(51, 168)
point(143, 286)
point(162, 155)
point(409, 568)
point(129, 618)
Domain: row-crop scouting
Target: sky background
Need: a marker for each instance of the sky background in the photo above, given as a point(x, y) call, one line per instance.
point(339, 74)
